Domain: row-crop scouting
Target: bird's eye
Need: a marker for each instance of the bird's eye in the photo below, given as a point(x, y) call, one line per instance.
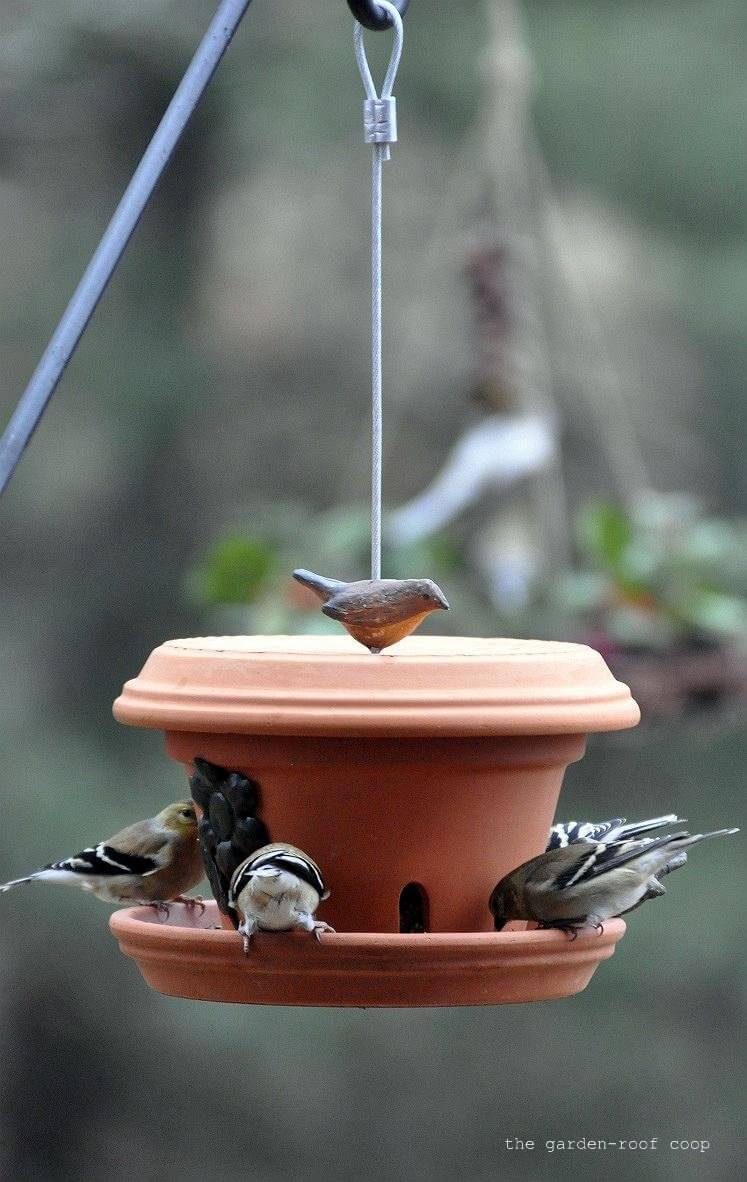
point(188, 814)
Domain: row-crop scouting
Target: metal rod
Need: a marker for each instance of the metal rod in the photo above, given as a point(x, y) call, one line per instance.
point(73, 324)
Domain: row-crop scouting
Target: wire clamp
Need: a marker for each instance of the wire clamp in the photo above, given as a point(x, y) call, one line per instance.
point(380, 120)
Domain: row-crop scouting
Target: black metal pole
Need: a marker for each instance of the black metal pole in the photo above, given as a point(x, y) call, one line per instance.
point(73, 324)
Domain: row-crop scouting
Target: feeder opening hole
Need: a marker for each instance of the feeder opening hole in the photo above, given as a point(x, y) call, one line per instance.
point(413, 908)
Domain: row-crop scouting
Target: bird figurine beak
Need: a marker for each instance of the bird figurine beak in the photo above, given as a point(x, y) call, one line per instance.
point(376, 612)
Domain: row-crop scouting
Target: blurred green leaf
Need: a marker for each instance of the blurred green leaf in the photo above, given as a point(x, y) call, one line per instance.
point(714, 613)
point(604, 532)
point(235, 570)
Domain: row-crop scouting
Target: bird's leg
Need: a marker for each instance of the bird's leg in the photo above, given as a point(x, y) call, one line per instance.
point(309, 924)
point(247, 930)
point(191, 902)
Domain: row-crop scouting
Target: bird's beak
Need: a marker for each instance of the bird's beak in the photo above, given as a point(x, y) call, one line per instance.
point(442, 600)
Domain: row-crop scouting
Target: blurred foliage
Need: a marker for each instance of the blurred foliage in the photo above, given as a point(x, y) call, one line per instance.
point(659, 575)
point(253, 572)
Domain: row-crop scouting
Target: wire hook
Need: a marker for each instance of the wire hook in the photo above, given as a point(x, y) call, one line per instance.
point(380, 111)
point(362, 60)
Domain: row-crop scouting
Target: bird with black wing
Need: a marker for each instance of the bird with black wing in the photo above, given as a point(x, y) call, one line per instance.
point(581, 885)
point(278, 889)
point(151, 862)
point(568, 833)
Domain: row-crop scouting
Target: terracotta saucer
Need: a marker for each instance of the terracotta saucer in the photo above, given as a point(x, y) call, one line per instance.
point(189, 955)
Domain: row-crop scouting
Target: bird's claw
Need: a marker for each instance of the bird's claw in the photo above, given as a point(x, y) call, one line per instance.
point(192, 902)
point(161, 907)
point(246, 932)
point(319, 927)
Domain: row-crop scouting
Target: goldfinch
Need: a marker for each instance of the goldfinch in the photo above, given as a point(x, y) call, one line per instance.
point(276, 889)
point(581, 885)
point(376, 612)
point(570, 832)
point(151, 862)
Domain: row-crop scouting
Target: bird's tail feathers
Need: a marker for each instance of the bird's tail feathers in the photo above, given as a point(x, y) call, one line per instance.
point(48, 874)
point(321, 586)
point(681, 841)
point(623, 832)
point(14, 882)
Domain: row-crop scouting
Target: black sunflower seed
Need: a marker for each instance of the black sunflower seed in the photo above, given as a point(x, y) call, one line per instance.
point(221, 816)
point(242, 794)
point(249, 834)
point(208, 840)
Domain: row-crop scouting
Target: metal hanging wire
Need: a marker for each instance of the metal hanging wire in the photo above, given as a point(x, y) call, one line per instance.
point(380, 128)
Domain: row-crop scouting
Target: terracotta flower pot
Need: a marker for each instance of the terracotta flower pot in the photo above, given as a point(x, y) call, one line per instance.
point(431, 770)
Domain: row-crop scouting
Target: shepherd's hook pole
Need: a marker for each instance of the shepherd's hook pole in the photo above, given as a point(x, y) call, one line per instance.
point(118, 233)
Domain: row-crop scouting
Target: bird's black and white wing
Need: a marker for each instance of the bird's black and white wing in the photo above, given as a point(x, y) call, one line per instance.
point(97, 864)
point(570, 832)
point(603, 858)
point(289, 860)
point(107, 861)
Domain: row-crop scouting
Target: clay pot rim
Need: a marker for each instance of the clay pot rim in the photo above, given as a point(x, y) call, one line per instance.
point(327, 685)
point(144, 930)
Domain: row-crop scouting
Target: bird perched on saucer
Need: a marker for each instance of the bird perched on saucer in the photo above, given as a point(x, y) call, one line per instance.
point(581, 885)
point(591, 832)
point(376, 612)
point(276, 889)
point(151, 862)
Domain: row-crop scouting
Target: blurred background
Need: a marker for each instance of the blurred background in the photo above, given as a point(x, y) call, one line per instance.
point(566, 292)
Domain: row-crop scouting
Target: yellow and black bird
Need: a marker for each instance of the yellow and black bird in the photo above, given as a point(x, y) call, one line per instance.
point(277, 889)
point(376, 612)
point(582, 884)
point(151, 862)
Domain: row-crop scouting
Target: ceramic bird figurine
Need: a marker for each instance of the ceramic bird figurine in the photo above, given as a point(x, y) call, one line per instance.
point(581, 885)
point(151, 862)
point(277, 889)
point(376, 612)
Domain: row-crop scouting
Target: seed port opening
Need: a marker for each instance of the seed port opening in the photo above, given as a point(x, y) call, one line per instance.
point(413, 908)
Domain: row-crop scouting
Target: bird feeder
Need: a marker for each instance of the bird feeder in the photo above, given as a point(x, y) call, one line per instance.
point(416, 777)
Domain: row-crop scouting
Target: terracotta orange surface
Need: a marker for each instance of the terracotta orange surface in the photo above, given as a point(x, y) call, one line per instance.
point(185, 957)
